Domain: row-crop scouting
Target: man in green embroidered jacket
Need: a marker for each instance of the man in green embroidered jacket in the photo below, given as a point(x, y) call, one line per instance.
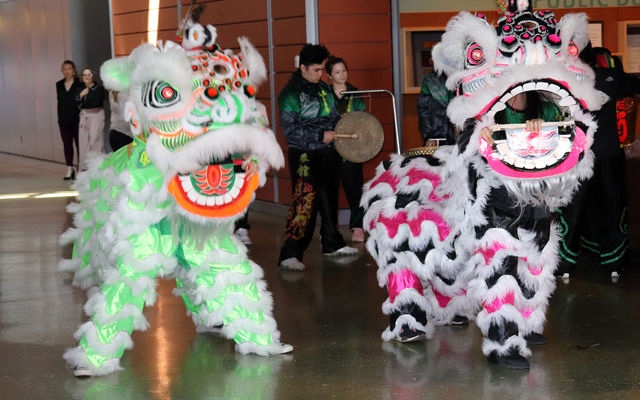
point(308, 116)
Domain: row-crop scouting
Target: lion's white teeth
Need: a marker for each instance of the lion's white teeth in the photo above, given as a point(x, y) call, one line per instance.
point(519, 163)
point(567, 101)
point(542, 86)
point(553, 88)
point(540, 163)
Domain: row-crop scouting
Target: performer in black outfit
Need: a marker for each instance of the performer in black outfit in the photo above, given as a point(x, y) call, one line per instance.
point(350, 172)
point(67, 89)
point(308, 116)
point(596, 219)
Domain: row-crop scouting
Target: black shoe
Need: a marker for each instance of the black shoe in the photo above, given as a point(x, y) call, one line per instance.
point(459, 320)
point(535, 339)
point(512, 359)
point(408, 335)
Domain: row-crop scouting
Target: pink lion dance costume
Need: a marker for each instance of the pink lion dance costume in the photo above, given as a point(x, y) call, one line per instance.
point(468, 233)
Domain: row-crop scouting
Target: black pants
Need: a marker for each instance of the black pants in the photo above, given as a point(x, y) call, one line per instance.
point(314, 188)
point(69, 134)
point(596, 218)
point(118, 139)
point(352, 181)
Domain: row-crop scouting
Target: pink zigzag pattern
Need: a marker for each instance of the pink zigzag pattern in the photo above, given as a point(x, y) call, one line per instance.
point(393, 224)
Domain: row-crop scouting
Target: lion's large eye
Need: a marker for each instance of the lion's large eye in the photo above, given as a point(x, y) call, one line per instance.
point(572, 49)
point(475, 55)
point(158, 94)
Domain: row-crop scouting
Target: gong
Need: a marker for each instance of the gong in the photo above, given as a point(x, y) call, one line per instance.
point(359, 136)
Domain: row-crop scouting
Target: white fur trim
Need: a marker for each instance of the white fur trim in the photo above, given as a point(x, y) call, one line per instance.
point(77, 357)
point(252, 348)
point(409, 320)
point(238, 138)
point(517, 342)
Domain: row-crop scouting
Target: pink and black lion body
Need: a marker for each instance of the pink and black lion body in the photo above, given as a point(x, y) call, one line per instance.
point(468, 232)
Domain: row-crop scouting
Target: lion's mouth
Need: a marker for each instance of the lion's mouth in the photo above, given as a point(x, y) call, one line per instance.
point(216, 190)
point(555, 149)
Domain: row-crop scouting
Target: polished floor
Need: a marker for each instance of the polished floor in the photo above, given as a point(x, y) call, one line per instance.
point(330, 313)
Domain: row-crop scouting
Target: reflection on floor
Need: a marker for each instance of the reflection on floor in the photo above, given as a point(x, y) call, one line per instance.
point(331, 313)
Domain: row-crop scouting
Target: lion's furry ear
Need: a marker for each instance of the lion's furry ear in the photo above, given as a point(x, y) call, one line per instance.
point(463, 29)
point(574, 28)
point(252, 61)
point(116, 74)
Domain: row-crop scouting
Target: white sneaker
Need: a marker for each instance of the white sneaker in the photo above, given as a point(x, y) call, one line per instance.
point(82, 372)
point(243, 235)
point(286, 348)
point(615, 276)
point(344, 251)
point(292, 264)
point(565, 277)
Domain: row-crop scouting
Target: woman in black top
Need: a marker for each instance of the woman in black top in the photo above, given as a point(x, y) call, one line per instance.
point(67, 89)
point(351, 173)
point(91, 130)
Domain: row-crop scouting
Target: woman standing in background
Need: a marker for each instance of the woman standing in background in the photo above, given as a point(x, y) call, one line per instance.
point(351, 173)
point(91, 129)
point(119, 133)
point(67, 89)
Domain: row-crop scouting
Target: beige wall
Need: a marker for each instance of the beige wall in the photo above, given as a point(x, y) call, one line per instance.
point(35, 37)
point(34, 40)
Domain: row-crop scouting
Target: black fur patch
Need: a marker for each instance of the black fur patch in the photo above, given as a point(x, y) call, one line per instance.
point(421, 254)
point(509, 267)
point(472, 177)
point(447, 281)
point(431, 160)
point(409, 308)
point(500, 333)
point(373, 200)
point(402, 199)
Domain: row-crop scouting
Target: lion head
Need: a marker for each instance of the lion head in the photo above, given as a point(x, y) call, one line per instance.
point(195, 106)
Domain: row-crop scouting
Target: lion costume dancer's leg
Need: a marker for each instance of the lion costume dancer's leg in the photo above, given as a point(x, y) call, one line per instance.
point(123, 240)
point(118, 253)
point(221, 287)
point(409, 215)
point(515, 256)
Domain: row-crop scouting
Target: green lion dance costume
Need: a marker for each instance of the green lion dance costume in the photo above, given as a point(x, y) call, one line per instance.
point(165, 205)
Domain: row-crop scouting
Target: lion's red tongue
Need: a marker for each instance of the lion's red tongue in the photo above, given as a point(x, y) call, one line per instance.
point(215, 191)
